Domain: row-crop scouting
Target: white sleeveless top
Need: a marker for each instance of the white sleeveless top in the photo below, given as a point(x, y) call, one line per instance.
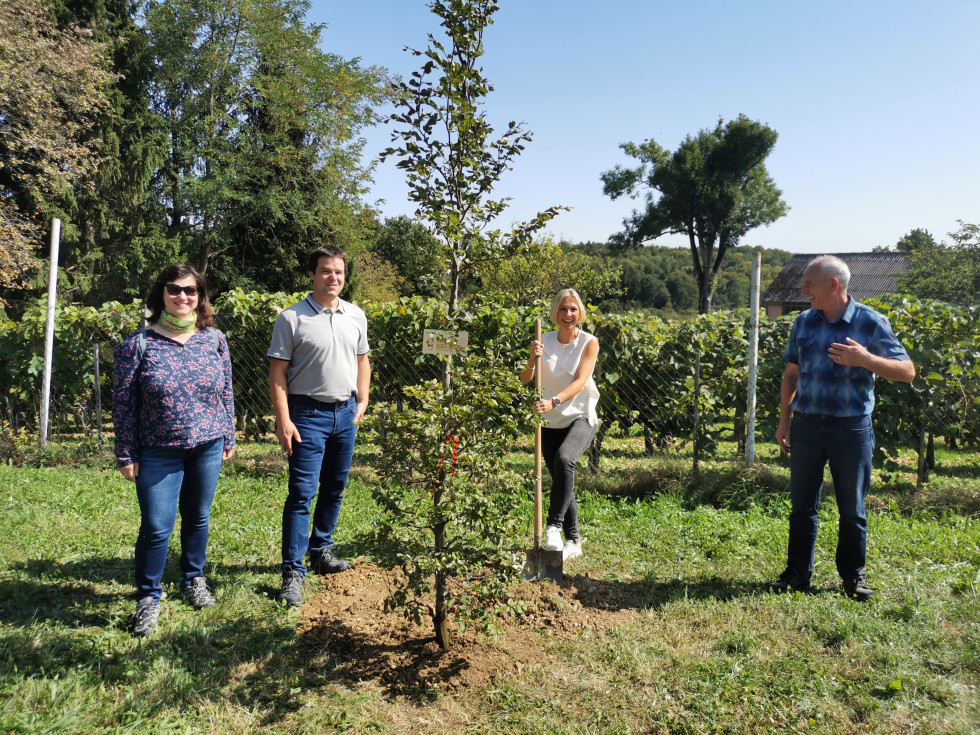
point(559, 363)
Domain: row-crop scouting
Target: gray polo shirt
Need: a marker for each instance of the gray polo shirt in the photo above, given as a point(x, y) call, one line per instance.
point(321, 346)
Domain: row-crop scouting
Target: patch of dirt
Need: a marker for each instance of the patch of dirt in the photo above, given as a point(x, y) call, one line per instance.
point(348, 619)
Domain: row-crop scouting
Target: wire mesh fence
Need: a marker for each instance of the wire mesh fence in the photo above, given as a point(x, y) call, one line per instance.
point(645, 373)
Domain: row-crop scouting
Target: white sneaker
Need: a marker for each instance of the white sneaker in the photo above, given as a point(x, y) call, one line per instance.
point(572, 550)
point(552, 539)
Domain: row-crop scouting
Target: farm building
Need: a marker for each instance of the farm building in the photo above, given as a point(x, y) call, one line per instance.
point(872, 274)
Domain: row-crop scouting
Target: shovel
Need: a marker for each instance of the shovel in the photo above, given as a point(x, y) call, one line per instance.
point(541, 563)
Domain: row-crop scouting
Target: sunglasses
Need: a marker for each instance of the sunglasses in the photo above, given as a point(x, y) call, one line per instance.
point(173, 289)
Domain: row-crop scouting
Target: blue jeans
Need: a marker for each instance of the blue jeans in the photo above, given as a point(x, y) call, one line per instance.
point(847, 444)
point(170, 479)
point(321, 460)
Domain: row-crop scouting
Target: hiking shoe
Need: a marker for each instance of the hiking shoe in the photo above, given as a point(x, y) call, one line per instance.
point(786, 582)
point(197, 594)
point(324, 562)
point(572, 550)
point(144, 620)
point(292, 588)
point(552, 539)
point(856, 589)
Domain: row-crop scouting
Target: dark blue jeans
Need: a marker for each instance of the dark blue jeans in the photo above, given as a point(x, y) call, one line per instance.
point(846, 444)
point(170, 480)
point(321, 461)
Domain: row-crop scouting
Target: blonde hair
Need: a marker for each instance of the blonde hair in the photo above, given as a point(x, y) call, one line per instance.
point(567, 293)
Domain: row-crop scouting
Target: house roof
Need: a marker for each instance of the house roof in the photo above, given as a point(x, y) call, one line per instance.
point(872, 274)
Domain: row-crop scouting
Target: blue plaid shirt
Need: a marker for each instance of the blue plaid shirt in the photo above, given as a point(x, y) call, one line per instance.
point(825, 386)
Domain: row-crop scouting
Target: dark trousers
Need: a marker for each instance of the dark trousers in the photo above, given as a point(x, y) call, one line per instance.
point(561, 449)
point(846, 444)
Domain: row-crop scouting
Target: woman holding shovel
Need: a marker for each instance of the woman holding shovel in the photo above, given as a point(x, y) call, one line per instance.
point(569, 400)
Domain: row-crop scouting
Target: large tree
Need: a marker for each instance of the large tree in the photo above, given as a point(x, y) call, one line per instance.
point(113, 239)
point(713, 189)
point(51, 84)
point(263, 135)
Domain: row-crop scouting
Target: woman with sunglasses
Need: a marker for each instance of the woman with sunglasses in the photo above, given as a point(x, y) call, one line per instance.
point(174, 419)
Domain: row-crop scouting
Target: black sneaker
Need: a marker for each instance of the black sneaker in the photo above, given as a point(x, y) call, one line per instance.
point(292, 588)
point(144, 620)
point(858, 590)
point(197, 594)
point(786, 582)
point(324, 562)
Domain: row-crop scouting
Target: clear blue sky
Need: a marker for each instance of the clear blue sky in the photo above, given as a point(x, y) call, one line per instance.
point(875, 103)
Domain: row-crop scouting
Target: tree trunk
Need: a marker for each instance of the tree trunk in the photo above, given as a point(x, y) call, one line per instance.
point(922, 476)
point(439, 621)
point(595, 448)
point(740, 433)
point(931, 452)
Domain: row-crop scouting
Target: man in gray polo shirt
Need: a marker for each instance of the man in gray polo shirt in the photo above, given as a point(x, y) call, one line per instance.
point(319, 379)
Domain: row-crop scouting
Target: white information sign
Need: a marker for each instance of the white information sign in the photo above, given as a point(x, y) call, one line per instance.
point(438, 342)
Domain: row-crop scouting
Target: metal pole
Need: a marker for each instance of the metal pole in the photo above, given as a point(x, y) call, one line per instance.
point(49, 329)
point(98, 393)
point(753, 359)
point(537, 450)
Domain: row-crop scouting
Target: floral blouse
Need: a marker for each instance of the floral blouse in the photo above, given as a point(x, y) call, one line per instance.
point(174, 395)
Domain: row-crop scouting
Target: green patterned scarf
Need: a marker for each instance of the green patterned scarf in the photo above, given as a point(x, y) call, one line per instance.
point(178, 326)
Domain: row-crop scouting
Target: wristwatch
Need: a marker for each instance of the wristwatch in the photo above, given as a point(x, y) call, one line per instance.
point(556, 400)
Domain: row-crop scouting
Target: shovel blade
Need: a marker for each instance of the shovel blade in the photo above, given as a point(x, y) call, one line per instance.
point(542, 564)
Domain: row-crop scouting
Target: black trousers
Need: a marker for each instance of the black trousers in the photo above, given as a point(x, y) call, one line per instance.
point(560, 449)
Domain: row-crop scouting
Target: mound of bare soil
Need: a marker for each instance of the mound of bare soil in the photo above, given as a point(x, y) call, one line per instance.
point(348, 618)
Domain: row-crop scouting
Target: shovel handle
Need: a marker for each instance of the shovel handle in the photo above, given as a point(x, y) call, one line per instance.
point(537, 444)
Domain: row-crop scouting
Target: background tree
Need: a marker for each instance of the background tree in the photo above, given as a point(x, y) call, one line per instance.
point(377, 279)
point(414, 252)
point(947, 272)
point(113, 235)
point(299, 180)
point(452, 161)
point(713, 189)
point(262, 128)
point(51, 84)
point(917, 239)
point(529, 277)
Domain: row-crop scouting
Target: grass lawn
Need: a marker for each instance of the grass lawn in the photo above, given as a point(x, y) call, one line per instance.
point(703, 649)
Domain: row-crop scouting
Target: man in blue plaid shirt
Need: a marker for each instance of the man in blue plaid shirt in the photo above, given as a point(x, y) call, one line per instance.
point(835, 351)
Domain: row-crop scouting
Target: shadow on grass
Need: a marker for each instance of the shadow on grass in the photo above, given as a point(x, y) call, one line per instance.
point(734, 486)
point(71, 592)
point(649, 594)
point(65, 592)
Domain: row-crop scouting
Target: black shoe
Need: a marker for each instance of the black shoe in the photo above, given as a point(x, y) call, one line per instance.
point(197, 594)
point(143, 623)
point(324, 562)
point(786, 582)
point(858, 590)
point(292, 588)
